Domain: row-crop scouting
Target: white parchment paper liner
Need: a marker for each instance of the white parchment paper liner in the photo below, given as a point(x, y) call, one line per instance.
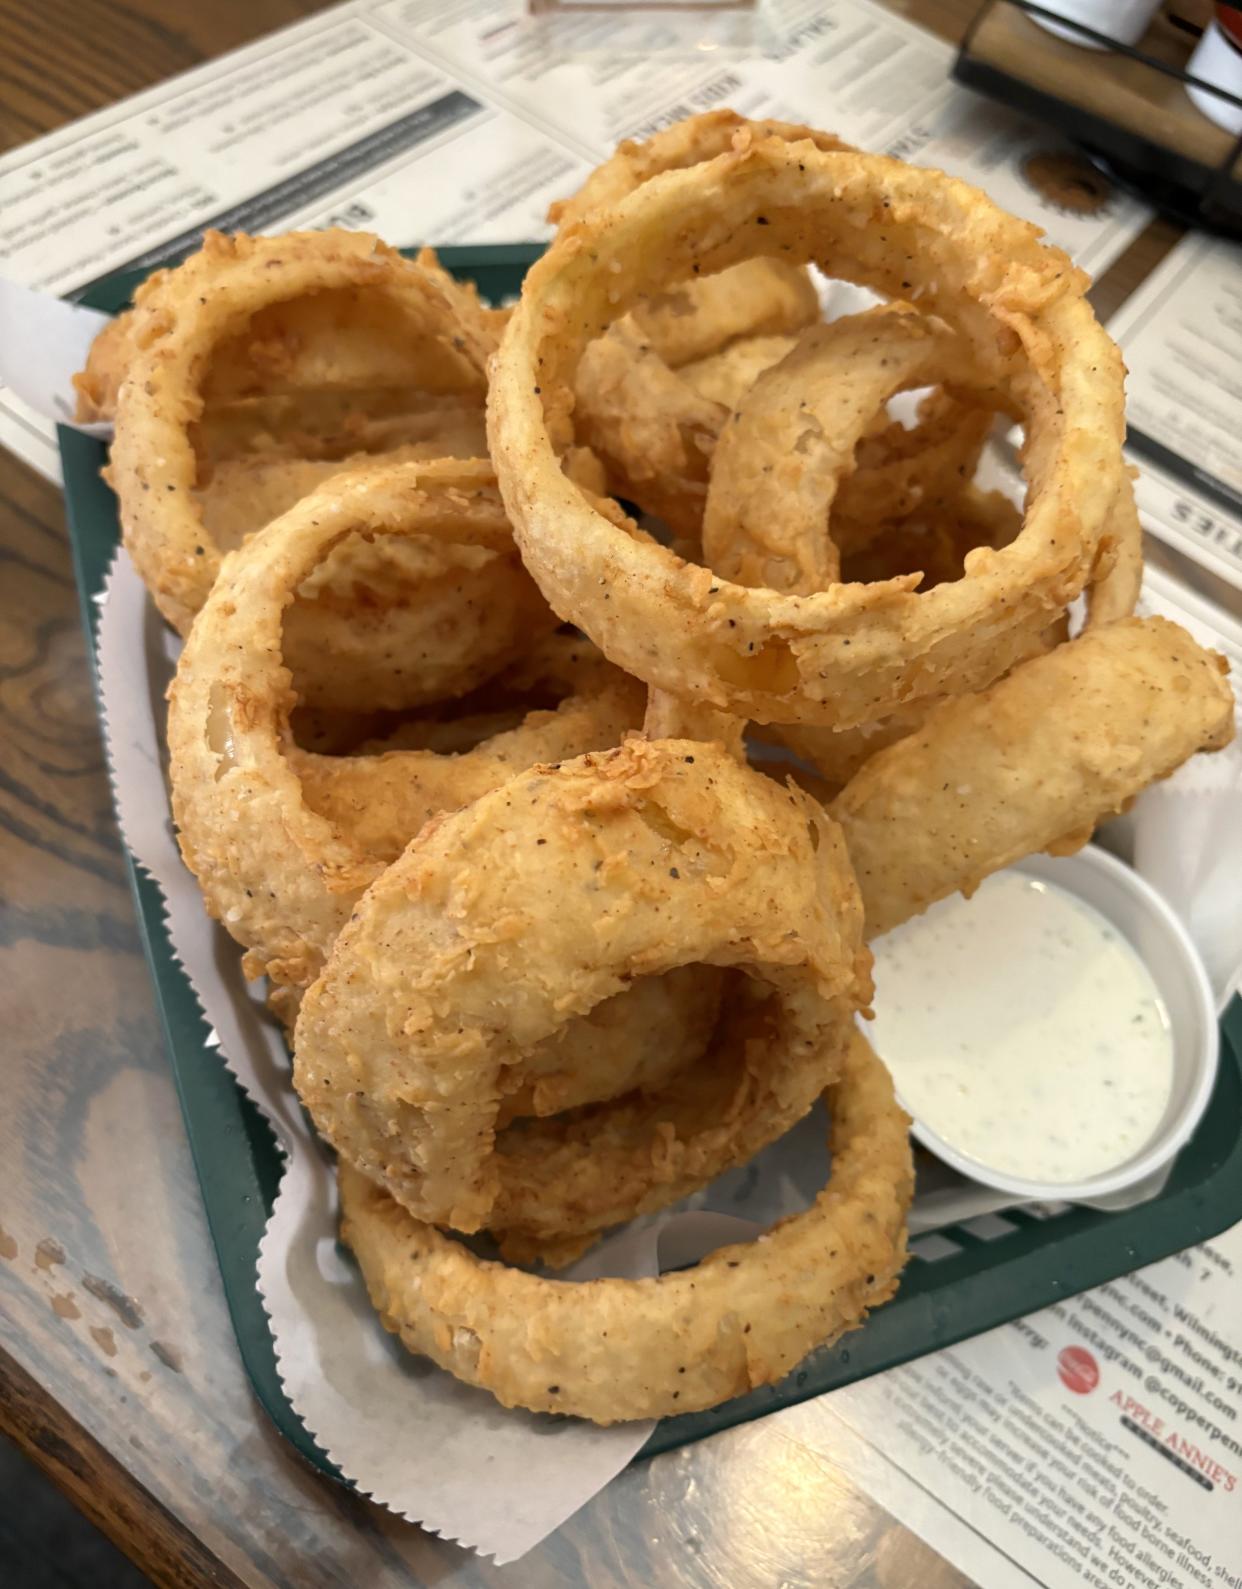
point(44, 342)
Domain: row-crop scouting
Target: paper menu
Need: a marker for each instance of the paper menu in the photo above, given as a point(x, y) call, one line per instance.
point(1098, 1442)
point(456, 121)
point(1181, 334)
point(857, 68)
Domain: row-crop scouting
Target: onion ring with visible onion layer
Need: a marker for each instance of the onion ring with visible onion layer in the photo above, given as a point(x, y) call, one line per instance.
point(1035, 761)
point(779, 463)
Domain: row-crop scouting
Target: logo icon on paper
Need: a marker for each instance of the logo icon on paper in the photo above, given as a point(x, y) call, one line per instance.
point(1078, 1370)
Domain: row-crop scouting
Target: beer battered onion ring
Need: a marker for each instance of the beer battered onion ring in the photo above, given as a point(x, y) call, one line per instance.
point(895, 470)
point(631, 405)
point(725, 377)
point(689, 142)
point(939, 548)
point(284, 880)
point(853, 653)
point(1033, 763)
point(396, 624)
point(758, 297)
point(206, 306)
point(659, 428)
point(780, 462)
point(746, 1315)
point(503, 921)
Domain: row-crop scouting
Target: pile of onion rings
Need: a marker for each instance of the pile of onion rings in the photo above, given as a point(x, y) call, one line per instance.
point(494, 624)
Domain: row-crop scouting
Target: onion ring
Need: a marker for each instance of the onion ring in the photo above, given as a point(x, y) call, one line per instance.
point(1035, 761)
point(228, 721)
point(208, 307)
point(1017, 303)
point(403, 624)
point(725, 377)
point(420, 1008)
point(634, 411)
point(746, 1315)
point(625, 385)
point(381, 795)
point(778, 464)
point(372, 628)
point(637, 1040)
point(652, 432)
point(899, 471)
point(939, 549)
point(689, 142)
point(758, 297)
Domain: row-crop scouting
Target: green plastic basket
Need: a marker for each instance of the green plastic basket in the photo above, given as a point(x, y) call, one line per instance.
point(976, 1282)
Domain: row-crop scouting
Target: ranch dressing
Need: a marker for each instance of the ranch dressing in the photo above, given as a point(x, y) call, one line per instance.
point(1022, 1028)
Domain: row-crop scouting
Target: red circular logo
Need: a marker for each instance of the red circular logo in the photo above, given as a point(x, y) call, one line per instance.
point(1078, 1370)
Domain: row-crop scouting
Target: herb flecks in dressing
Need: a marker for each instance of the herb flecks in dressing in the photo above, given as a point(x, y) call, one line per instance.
point(1023, 1028)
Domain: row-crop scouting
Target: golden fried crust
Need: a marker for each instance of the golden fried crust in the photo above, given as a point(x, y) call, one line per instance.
point(758, 297)
point(1118, 576)
point(610, 1350)
point(506, 920)
point(923, 470)
point(725, 377)
point(653, 434)
point(778, 464)
point(631, 404)
point(216, 331)
point(1066, 740)
point(279, 875)
point(106, 364)
point(850, 654)
point(686, 143)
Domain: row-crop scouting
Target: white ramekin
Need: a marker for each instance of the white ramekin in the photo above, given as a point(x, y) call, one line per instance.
point(1218, 61)
point(1124, 21)
point(1142, 916)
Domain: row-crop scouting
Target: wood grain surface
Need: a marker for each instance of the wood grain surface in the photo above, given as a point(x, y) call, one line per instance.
point(118, 1370)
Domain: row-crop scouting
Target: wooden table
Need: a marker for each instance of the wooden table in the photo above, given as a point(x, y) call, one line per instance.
point(118, 1370)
